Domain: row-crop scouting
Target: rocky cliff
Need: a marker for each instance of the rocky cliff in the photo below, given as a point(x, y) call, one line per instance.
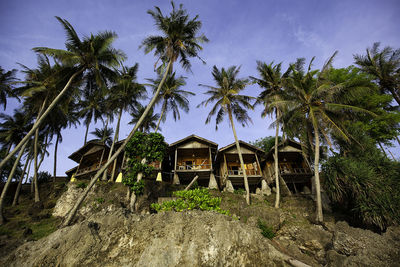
point(109, 235)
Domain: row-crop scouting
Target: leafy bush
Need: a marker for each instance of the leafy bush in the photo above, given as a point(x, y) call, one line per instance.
point(81, 185)
point(192, 199)
point(266, 230)
point(100, 200)
point(43, 177)
point(138, 187)
point(365, 184)
point(143, 146)
point(239, 191)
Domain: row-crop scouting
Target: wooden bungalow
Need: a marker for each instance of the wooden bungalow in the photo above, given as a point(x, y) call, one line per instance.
point(90, 158)
point(230, 169)
point(293, 167)
point(193, 156)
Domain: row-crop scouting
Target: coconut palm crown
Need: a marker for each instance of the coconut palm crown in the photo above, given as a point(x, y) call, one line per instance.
point(179, 37)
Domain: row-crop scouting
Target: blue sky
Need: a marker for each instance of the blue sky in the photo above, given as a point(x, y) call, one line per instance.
point(240, 33)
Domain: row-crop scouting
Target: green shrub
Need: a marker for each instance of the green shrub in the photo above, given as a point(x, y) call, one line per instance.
point(240, 191)
point(266, 230)
point(100, 200)
point(192, 199)
point(138, 187)
point(81, 185)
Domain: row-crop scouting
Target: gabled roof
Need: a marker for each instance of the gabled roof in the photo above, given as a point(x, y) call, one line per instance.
point(241, 143)
point(77, 155)
point(194, 137)
point(286, 142)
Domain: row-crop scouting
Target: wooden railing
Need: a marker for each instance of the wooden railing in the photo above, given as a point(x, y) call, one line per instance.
point(294, 170)
point(193, 167)
point(240, 172)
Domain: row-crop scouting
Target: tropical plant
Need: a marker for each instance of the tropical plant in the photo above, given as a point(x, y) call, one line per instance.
point(148, 123)
point(384, 66)
point(93, 53)
point(124, 97)
point(312, 97)
point(104, 135)
point(171, 97)
point(362, 182)
point(7, 78)
point(272, 82)
point(229, 102)
point(179, 40)
point(196, 199)
point(265, 143)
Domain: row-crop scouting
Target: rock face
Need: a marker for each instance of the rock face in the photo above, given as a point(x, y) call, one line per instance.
point(117, 238)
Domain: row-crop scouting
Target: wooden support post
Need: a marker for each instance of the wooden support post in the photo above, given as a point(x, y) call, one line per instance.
point(176, 158)
point(209, 151)
point(226, 165)
point(191, 183)
point(259, 166)
point(101, 158)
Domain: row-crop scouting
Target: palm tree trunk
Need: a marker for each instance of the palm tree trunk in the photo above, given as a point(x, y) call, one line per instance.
point(7, 185)
point(246, 183)
point(394, 94)
point(8, 151)
point(319, 217)
point(109, 153)
point(397, 138)
point(86, 133)
point(116, 136)
point(29, 171)
point(16, 196)
point(35, 165)
point(276, 161)
point(55, 158)
point(73, 210)
point(162, 114)
point(39, 121)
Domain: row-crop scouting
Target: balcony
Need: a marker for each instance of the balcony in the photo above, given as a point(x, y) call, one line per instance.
point(240, 172)
point(184, 167)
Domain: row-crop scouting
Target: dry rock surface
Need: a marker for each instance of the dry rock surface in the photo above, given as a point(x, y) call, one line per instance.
point(107, 234)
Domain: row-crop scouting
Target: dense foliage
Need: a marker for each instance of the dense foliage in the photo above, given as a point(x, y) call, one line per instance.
point(364, 183)
point(150, 147)
point(265, 143)
point(198, 198)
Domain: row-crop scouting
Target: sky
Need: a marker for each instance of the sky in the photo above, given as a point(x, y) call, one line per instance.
point(240, 33)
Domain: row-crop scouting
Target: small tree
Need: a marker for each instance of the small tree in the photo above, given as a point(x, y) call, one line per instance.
point(150, 147)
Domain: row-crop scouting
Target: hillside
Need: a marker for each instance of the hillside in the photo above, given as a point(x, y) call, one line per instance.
point(107, 234)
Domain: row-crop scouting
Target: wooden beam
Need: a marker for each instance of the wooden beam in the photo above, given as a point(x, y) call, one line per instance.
point(259, 166)
point(209, 151)
point(101, 159)
point(191, 183)
point(226, 165)
point(176, 158)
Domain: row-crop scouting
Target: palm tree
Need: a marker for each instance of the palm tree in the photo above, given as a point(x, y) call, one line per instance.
point(92, 105)
point(172, 97)
point(179, 41)
point(272, 81)
point(104, 134)
point(148, 123)
point(228, 101)
point(124, 96)
point(6, 85)
point(94, 53)
point(384, 66)
point(312, 97)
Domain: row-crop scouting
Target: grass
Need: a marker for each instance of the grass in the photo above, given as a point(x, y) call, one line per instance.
point(44, 227)
point(266, 230)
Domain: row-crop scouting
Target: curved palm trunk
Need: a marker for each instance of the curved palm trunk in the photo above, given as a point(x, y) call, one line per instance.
point(276, 161)
point(55, 158)
point(86, 133)
point(35, 166)
point(8, 151)
point(109, 153)
point(246, 182)
point(383, 150)
point(162, 114)
point(16, 196)
point(40, 120)
point(72, 212)
point(319, 216)
point(7, 185)
point(116, 136)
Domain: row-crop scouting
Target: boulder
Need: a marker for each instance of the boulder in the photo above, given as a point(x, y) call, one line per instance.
point(229, 187)
point(265, 189)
